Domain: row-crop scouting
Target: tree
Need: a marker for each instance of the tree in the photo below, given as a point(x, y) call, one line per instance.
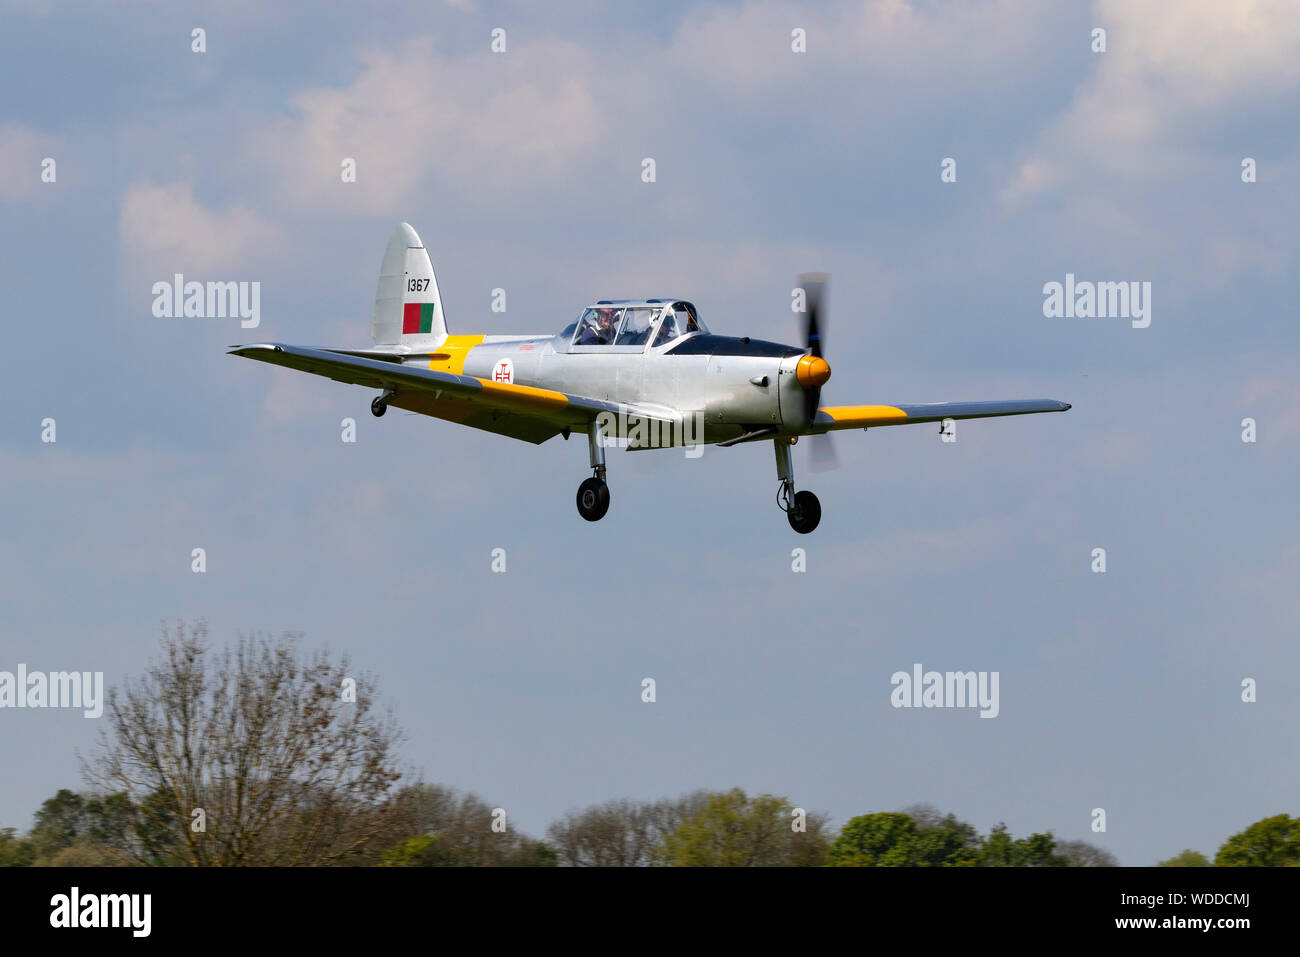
point(1036, 850)
point(1188, 858)
point(883, 839)
point(15, 851)
point(85, 854)
point(922, 836)
point(941, 840)
point(731, 829)
point(256, 756)
point(84, 829)
point(620, 833)
point(1083, 854)
point(1272, 842)
point(60, 820)
point(456, 830)
point(426, 850)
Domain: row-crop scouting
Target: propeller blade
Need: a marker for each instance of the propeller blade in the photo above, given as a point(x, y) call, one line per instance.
point(814, 288)
point(812, 397)
point(822, 453)
point(822, 449)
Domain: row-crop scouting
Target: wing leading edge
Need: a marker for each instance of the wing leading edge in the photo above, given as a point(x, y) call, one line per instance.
point(831, 418)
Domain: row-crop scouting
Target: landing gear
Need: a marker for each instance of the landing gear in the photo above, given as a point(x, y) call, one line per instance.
point(805, 513)
point(801, 508)
point(380, 403)
point(593, 499)
point(593, 494)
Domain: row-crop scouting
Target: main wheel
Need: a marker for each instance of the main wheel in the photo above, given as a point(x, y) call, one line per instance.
point(593, 499)
point(378, 407)
point(805, 513)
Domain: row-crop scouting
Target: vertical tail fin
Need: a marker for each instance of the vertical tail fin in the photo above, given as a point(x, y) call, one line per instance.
point(408, 307)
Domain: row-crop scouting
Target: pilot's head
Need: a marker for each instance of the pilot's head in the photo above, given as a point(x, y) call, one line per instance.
point(606, 317)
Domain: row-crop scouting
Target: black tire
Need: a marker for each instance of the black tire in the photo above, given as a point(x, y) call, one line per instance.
point(805, 513)
point(378, 407)
point(593, 499)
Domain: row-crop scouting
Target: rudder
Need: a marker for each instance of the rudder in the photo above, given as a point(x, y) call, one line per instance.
point(408, 306)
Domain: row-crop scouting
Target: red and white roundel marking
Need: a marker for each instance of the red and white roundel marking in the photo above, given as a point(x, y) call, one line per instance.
point(504, 371)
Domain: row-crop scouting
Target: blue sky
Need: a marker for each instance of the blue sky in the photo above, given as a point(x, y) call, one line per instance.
point(522, 171)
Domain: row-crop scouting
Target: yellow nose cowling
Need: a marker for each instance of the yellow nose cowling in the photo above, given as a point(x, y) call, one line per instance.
point(812, 371)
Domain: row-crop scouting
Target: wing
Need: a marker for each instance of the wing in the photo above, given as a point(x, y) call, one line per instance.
point(519, 411)
point(830, 418)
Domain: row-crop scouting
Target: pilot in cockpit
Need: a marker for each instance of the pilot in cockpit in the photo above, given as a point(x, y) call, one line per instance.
point(597, 330)
point(677, 322)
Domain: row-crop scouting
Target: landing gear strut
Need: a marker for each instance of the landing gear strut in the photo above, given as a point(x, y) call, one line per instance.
point(801, 508)
point(380, 403)
point(593, 494)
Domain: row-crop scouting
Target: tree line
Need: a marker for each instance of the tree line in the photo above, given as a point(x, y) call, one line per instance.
point(260, 756)
point(435, 826)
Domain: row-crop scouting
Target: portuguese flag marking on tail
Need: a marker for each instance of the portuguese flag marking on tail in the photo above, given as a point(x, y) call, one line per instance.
point(417, 317)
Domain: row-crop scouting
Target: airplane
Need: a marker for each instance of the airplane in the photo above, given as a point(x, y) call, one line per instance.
point(640, 373)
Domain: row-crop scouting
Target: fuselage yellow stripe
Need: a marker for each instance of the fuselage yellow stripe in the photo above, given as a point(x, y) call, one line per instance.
point(456, 348)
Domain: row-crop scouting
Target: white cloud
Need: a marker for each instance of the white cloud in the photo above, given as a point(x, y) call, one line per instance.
point(1209, 51)
point(1170, 68)
point(500, 125)
point(164, 229)
point(496, 121)
point(746, 50)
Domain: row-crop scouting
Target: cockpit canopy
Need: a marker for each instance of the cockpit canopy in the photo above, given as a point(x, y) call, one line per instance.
point(628, 325)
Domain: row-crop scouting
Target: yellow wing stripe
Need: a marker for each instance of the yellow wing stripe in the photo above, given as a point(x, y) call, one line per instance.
point(526, 395)
point(455, 349)
point(851, 415)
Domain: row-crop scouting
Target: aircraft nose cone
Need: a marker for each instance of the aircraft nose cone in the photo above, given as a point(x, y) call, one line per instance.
point(812, 371)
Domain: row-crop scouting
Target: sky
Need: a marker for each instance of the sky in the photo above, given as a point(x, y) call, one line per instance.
point(522, 170)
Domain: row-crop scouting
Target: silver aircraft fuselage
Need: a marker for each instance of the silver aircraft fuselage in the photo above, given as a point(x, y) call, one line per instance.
point(731, 385)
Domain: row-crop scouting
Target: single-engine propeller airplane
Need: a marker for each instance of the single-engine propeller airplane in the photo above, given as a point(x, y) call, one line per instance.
point(645, 372)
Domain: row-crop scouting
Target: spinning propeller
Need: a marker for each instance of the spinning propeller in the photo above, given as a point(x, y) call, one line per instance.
point(813, 370)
